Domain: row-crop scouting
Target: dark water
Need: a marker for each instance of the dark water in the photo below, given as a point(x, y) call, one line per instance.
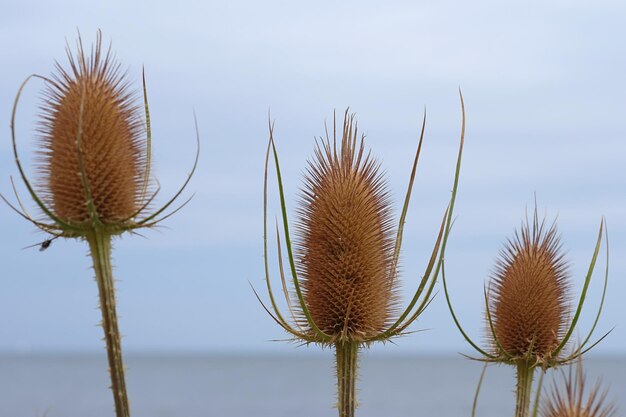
point(251, 386)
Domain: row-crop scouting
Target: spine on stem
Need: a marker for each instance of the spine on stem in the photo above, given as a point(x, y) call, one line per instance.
point(525, 375)
point(347, 363)
point(100, 248)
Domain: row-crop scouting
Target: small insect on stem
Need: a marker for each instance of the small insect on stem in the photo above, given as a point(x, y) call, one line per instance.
point(43, 245)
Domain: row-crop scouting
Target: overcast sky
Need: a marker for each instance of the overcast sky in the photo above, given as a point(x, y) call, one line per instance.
point(544, 87)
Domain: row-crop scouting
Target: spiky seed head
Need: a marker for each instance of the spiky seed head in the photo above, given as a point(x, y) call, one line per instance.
point(529, 294)
point(90, 113)
point(344, 243)
point(569, 400)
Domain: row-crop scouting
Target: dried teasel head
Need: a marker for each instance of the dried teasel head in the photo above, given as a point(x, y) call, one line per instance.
point(346, 251)
point(345, 255)
point(91, 132)
point(94, 172)
point(529, 294)
point(345, 244)
point(94, 150)
point(571, 399)
point(527, 303)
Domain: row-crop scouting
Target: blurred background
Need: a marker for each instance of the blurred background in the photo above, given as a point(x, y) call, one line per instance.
point(544, 88)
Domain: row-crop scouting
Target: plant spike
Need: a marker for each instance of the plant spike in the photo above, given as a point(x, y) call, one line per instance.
point(144, 222)
point(583, 294)
point(477, 393)
point(447, 219)
point(400, 324)
point(581, 349)
point(572, 399)
point(407, 199)
point(606, 281)
point(146, 176)
point(352, 160)
point(90, 104)
point(283, 280)
point(547, 245)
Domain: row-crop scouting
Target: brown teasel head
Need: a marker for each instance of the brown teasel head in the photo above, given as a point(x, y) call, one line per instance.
point(572, 400)
point(529, 294)
point(345, 243)
point(92, 142)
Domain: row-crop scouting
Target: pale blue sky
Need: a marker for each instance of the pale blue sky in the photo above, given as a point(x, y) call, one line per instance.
point(544, 87)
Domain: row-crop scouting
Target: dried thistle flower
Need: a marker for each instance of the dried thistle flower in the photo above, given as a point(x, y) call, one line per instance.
point(569, 399)
point(92, 123)
point(529, 300)
point(347, 249)
point(527, 306)
point(345, 241)
point(94, 173)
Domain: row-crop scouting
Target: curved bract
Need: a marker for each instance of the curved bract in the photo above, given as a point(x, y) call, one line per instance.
point(344, 262)
point(93, 174)
point(529, 294)
point(527, 306)
point(91, 122)
point(94, 151)
point(347, 249)
point(344, 248)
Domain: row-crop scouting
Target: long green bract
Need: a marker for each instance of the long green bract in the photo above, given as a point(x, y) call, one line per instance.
point(399, 325)
point(405, 207)
point(447, 220)
point(323, 337)
point(279, 318)
point(491, 326)
point(454, 318)
point(480, 383)
point(583, 294)
point(606, 280)
point(441, 263)
point(144, 222)
point(31, 190)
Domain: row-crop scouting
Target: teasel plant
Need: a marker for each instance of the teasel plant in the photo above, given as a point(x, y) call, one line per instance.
point(344, 257)
point(570, 398)
point(93, 177)
point(528, 310)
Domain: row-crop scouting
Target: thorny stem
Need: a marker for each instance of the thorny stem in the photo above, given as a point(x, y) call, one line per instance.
point(347, 363)
point(525, 375)
point(100, 247)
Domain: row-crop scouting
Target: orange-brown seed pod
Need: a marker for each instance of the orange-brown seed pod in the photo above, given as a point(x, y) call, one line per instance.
point(529, 294)
point(92, 142)
point(345, 242)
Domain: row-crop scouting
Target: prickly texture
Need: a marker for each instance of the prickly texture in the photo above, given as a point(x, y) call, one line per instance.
point(529, 299)
point(89, 111)
point(571, 400)
point(344, 244)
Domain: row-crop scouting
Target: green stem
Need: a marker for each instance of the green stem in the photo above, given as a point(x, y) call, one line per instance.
point(347, 363)
point(525, 375)
point(100, 247)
